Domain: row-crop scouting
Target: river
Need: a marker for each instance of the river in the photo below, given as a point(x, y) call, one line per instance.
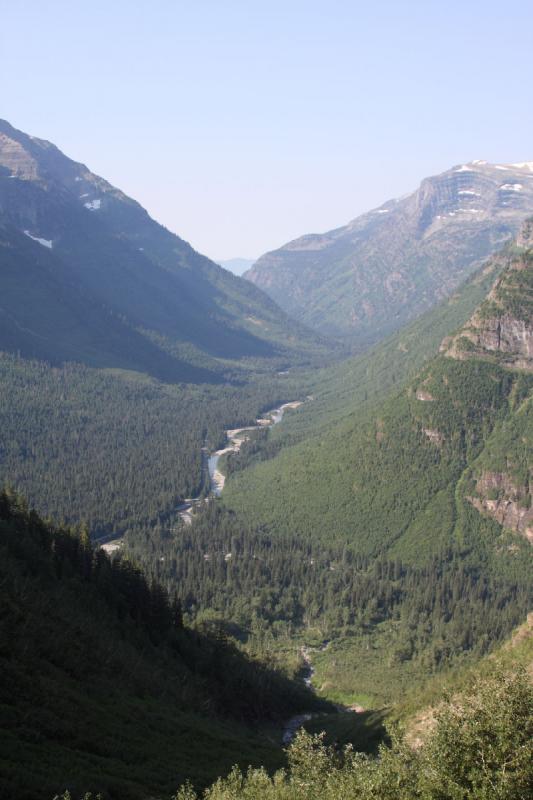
point(235, 437)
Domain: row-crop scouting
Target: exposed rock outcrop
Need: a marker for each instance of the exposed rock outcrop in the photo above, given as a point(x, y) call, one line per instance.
point(434, 436)
point(508, 504)
point(502, 328)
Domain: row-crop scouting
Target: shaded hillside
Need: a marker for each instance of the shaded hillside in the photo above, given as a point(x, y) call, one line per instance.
point(88, 276)
point(367, 279)
point(103, 689)
point(481, 748)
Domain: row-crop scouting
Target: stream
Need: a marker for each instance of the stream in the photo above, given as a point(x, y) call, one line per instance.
point(293, 724)
point(235, 438)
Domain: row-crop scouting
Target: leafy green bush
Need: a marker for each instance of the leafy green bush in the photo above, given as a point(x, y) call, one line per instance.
point(480, 749)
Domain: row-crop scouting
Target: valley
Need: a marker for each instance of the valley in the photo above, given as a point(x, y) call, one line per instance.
point(202, 581)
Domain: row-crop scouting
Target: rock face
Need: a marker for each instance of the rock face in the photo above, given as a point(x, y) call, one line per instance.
point(507, 335)
point(502, 328)
point(367, 278)
point(506, 503)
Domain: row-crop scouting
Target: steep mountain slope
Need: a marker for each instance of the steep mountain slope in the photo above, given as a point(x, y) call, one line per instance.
point(404, 477)
point(104, 689)
point(419, 709)
point(87, 275)
point(368, 278)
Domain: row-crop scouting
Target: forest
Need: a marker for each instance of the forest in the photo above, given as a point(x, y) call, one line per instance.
point(88, 645)
point(141, 440)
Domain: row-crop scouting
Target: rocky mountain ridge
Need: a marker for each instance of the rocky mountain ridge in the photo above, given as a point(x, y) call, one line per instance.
point(89, 276)
point(367, 278)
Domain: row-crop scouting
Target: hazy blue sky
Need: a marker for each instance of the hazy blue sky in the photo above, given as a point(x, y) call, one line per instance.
point(241, 125)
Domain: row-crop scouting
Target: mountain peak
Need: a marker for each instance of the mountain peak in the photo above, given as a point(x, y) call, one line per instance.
point(88, 276)
point(365, 279)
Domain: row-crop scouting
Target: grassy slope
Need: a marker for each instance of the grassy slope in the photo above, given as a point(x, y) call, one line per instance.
point(369, 479)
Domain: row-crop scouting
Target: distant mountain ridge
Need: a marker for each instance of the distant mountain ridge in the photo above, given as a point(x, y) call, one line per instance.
point(87, 275)
point(366, 279)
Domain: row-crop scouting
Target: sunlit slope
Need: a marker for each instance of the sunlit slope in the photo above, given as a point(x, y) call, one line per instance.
point(400, 477)
point(367, 279)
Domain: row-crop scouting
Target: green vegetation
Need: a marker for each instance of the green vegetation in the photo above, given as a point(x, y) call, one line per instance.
point(368, 479)
point(104, 689)
point(415, 709)
point(514, 291)
point(117, 450)
point(390, 622)
point(481, 749)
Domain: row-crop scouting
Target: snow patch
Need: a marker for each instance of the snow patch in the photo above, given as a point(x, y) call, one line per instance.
point(524, 165)
point(93, 205)
point(84, 195)
point(382, 211)
point(469, 191)
point(44, 242)
point(511, 187)
point(464, 168)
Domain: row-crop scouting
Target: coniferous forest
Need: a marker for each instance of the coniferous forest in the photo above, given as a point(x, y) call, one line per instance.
point(265, 536)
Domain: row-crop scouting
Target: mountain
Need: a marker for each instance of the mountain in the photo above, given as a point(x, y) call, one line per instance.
point(366, 279)
point(405, 475)
point(88, 276)
point(423, 477)
point(103, 688)
point(237, 265)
